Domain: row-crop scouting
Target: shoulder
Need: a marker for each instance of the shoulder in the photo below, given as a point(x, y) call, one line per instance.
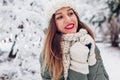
point(44, 72)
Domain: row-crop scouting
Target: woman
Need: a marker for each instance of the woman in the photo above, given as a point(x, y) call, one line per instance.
point(69, 51)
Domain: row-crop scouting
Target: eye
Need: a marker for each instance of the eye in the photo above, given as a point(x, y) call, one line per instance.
point(70, 13)
point(59, 17)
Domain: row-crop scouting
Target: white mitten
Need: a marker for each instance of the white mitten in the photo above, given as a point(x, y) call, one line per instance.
point(79, 54)
point(85, 40)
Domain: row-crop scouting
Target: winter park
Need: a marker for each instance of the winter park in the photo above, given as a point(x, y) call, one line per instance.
point(22, 32)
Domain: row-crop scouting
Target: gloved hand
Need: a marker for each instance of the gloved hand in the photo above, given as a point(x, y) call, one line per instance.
point(82, 55)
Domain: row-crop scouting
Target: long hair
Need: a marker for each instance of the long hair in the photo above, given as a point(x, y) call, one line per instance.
point(52, 54)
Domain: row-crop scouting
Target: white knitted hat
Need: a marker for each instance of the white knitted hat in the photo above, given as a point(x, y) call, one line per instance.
point(54, 5)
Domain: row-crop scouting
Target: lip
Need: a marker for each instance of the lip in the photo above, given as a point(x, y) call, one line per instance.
point(69, 26)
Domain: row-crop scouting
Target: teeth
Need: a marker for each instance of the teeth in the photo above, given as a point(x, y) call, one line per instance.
point(69, 26)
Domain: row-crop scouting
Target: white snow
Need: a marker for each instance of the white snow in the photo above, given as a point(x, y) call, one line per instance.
point(111, 57)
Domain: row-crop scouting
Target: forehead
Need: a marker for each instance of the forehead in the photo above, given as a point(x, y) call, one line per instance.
point(63, 9)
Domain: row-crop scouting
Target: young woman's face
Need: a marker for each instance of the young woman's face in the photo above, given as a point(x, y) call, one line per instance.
point(66, 20)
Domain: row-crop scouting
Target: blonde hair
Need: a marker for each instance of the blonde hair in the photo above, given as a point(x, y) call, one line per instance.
point(52, 54)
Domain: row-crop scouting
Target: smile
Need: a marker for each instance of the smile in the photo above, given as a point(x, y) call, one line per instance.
point(69, 26)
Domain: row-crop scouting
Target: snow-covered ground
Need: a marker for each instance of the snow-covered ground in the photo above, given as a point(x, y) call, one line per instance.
point(111, 59)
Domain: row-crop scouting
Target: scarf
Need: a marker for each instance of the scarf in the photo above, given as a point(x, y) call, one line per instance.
point(70, 39)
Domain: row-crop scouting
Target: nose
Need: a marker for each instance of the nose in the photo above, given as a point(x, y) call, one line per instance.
point(67, 19)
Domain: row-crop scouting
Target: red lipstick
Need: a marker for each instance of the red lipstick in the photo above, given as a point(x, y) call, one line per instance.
point(69, 26)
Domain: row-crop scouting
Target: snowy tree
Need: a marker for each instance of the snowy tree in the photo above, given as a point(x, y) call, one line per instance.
point(114, 21)
point(21, 32)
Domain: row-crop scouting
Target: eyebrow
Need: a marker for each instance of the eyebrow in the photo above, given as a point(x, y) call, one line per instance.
point(61, 13)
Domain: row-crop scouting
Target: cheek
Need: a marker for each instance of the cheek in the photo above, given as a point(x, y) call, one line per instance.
point(76, 21)
point(59, 25)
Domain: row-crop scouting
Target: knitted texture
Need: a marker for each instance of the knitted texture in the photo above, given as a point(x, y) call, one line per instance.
point(75, 53)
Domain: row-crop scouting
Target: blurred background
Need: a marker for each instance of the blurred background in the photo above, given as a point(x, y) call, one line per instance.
point(22, 30)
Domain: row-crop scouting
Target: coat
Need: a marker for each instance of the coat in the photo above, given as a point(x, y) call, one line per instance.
point(96, 72)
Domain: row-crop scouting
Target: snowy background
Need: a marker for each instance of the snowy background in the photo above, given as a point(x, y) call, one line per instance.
point(22, 30)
